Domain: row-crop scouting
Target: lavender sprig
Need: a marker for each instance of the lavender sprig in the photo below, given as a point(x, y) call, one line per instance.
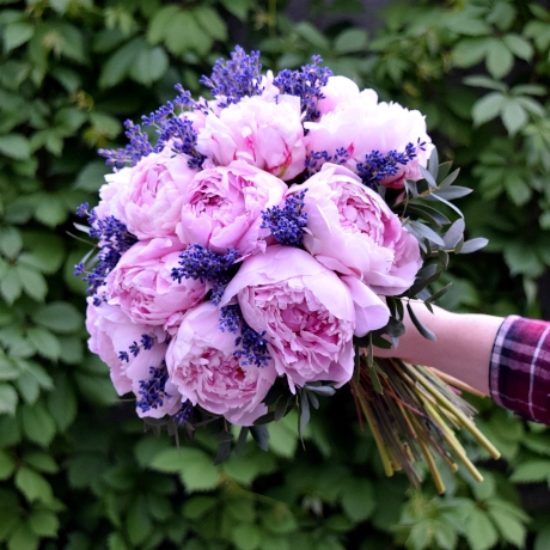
point(306, 83)
point(251, 346)
point(377, 167)
point(171, 127)
point(152, 392)
point(287, 223)
point(238, 77)
point(113, 240)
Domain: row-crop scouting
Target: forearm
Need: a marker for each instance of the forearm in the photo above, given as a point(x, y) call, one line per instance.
point(462, 348)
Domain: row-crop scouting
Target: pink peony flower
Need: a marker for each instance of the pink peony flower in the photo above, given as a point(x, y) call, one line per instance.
point(337, 92)
point(202, 366)
point(352, 230)
point(306, 311)
point(148, 196)
point(141, 284)
point(262, 132)
point(222, 207)
point(112, 332)
point(361, 126)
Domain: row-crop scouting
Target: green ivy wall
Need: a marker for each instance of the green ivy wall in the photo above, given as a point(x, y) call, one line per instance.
point(77, 470)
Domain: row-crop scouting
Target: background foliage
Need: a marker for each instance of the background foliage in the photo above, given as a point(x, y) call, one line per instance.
point(77, 470)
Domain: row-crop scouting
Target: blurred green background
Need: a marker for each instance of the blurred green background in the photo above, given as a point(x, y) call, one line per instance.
point(77, 469)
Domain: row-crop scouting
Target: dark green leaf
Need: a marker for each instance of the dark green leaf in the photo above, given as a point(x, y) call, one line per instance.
point(8, 399)
point(59, 317)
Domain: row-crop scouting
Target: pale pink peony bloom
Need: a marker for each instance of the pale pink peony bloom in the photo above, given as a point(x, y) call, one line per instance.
point(306, 311)
point(352, 230)
point(222, 207)
point(265, 133)
point(203, 367)
point(111, 332)
point(141, 284)
point(147, 197)
point(337, 92)
point(361, 126)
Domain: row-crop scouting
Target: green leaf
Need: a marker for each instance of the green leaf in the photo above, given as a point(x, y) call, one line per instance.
point(512, 530)
point(350, 40)
point(473, 245)
point(480, 532)
point(50, 210)
point(60, 317)
point(312, 35)
point(33, 282)
point(46, 252)
point(115, 69)
point(198, 506)
point(149, 66)
point(246, 536)
point(38, 425)
point(245, 468)
point(160, 23)
point(239, 8)
point(91, 177)
point(10, 286)
point(8, 399)
point(469, 52)
point(184, 33)
point(33, 485)
point(488, 107)
point(519, 46)
point(514, 116)
point(45, 342)
point(194, 466)
point(138, 522)
point(10, 242)
point(499, 59)
point(62, 403)
point(211, 22)
point(23, 539)
point(283, 436)
point(358, 499)
point(532, 471)
point(17, 34)
point(7, 465)
point(15, 146)
point(542, 541)
point(44, 523)
point(41, 461)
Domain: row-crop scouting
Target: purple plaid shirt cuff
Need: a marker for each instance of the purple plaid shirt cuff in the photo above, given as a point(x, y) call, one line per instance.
point(519, 375)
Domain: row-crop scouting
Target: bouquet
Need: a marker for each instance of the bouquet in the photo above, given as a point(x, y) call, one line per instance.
point(254, 247)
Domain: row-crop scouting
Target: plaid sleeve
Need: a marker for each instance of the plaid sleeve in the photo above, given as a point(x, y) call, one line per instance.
point(519, 375)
